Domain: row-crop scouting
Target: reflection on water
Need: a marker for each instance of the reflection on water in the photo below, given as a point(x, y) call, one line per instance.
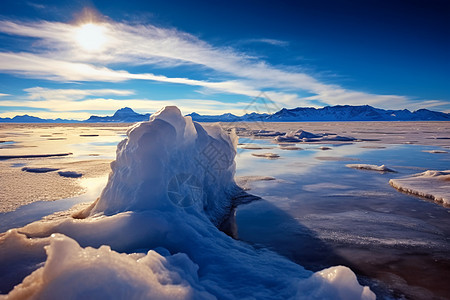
point(320, 213)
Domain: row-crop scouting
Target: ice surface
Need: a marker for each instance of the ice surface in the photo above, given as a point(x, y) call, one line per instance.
point(357, 227)
point(430, 184)
point(153, 231)
point(381, 168)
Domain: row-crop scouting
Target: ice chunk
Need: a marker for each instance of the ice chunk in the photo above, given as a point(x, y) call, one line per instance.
point(430, 184)
point(265, 133)
point(306, 137)
point(336, 283)
point(254, 147)
point(435, 151)
point(267, 155)
point(381, 168)
point(287, 139)
point(338, 138)
point(290, 148)
point(304, 134)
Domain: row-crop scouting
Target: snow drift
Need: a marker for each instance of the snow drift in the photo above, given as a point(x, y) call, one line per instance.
point(153, 231)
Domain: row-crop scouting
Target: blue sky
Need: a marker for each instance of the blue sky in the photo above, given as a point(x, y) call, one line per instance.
point(71, 59)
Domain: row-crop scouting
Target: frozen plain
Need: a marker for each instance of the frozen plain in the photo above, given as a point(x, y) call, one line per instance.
point(311, 200)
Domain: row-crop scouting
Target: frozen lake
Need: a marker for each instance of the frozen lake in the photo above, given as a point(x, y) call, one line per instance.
point(315, 210)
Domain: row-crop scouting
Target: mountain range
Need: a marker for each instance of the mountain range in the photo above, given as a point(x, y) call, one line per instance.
point(299, 114)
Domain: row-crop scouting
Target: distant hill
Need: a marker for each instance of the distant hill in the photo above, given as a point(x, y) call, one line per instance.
point(123, 115)
point(329, 113)
point(355, 113)
point(31, 119)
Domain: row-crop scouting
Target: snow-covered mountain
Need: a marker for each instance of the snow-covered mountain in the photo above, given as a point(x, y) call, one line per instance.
point(331, 113)
point(123, 115)
point(299, 114)
point(214, 118)
point(355, 113)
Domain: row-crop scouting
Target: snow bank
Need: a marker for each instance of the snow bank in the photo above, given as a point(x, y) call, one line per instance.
point(430, 184)
point(153, 231)
point(381, 168)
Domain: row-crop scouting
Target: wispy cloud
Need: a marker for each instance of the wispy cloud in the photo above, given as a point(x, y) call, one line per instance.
point(58, 57)
point(40, 93)
point(58, 103)
point(273, 42)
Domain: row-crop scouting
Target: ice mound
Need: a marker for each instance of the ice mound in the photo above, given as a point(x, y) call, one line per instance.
point(434, 185)
point(381, 168)
point(172, 161)
point(336, 283)
point(153, 232)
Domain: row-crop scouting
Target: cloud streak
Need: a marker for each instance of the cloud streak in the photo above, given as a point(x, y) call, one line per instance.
point(72, 103)
point(57, 57)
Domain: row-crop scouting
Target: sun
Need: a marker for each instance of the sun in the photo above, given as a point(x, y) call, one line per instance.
point(91, 37)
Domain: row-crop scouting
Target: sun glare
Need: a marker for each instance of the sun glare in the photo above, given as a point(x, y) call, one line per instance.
point(91, 37)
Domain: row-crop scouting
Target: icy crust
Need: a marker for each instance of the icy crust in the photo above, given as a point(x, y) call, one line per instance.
point(430, 184)
point(139, 242)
